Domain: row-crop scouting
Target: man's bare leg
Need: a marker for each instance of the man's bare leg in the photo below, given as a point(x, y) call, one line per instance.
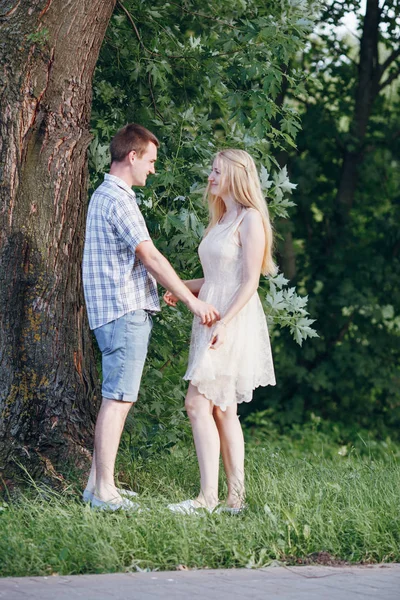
point(91, 484)
point(109, 426)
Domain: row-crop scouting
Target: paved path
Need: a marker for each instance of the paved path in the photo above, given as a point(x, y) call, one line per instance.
point(380, 582)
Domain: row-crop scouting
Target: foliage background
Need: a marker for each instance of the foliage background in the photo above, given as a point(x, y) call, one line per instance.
point(250, 74)
point(347, 259)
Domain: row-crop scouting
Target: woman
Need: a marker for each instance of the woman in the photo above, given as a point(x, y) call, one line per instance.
point(228, 361)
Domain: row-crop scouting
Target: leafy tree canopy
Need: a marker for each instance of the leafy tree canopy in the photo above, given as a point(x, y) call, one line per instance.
point(202, 76)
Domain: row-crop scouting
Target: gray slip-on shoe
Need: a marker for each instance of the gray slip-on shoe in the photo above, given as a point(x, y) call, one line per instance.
point(87, 495)
point(123, 504)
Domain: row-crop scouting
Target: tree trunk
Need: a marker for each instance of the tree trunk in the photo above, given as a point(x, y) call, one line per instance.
point(287, 252)
point(369, 73)
point(48, 383)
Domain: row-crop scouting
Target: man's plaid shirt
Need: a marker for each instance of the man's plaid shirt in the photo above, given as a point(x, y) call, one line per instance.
point(115, 281)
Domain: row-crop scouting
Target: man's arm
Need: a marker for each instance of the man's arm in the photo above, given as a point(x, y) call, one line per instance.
point(163, 272)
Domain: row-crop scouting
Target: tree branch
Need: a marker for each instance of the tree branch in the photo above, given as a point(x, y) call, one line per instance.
point(389, 60)
point(202, 15)
point(157, 54)
point(10, 12)
point(156, 111)
point(383, 143)
point(391, 78)
point(128, 14)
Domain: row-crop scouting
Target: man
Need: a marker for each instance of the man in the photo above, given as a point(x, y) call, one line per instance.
point(120, 268)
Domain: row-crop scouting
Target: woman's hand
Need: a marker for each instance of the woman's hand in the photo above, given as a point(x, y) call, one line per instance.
point(170, 299)
point(218, 336)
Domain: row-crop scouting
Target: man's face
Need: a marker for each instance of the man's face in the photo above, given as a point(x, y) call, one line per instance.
point(143, 166)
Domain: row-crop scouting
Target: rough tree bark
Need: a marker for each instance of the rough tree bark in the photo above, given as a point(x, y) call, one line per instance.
point(48, 382)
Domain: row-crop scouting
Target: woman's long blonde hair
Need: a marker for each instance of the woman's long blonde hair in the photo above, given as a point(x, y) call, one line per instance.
point(240, 178)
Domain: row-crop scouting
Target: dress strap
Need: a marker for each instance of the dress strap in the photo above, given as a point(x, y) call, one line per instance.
point(239, 220)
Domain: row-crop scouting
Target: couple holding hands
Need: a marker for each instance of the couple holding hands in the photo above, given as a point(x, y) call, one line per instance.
point(230, 353)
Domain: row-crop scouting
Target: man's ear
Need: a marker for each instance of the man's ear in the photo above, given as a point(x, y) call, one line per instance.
point(132, 156)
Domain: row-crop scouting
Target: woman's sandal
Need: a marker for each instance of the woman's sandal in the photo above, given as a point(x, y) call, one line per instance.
point(189, 507)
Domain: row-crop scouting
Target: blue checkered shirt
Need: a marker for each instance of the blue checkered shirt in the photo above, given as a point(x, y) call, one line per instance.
point(115, 281)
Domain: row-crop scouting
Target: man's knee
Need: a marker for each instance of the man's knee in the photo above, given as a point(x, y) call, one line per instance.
point(116, 406)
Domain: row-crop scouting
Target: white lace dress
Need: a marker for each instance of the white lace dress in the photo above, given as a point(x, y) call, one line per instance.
point(244, 361)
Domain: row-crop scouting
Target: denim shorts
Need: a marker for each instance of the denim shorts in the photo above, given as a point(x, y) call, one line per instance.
point(123, 344)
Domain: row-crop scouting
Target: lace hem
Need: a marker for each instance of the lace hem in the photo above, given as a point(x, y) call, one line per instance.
point(238, 397)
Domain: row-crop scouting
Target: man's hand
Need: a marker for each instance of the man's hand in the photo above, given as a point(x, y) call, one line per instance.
point(207, 314)
point(162, 271)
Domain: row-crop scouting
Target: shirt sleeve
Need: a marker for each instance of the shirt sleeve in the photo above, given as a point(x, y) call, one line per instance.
point(129, 223)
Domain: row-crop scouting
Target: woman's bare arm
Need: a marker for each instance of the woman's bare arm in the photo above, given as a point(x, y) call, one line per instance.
point(194, 285)
point(252, 238)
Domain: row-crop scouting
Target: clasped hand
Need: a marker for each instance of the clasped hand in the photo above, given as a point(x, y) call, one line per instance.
point(218, 336)
point(207, 314)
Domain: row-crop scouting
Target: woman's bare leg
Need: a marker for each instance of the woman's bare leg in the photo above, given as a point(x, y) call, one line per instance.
point(206, 441)
point(232, 450)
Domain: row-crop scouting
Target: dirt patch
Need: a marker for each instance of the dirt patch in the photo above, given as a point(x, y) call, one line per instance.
point(317, 558)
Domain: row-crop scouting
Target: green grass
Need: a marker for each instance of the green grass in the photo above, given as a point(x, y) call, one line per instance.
point(303, 496)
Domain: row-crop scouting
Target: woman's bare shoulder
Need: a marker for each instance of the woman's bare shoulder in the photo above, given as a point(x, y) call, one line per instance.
point(251, 216)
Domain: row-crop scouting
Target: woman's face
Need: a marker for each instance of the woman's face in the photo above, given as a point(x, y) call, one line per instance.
point(214, 178)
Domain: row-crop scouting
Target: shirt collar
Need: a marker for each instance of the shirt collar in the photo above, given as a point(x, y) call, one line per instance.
point(120, 183)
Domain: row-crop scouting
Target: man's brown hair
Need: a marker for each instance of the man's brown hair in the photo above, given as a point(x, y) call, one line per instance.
point(131, 137)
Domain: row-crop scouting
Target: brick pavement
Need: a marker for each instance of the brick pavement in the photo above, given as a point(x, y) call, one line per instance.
point(381, 582)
